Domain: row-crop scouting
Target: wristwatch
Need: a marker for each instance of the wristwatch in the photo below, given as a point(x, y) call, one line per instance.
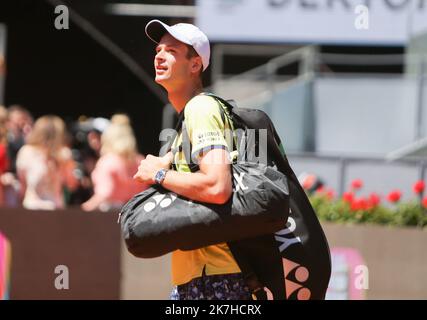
point(160, 176)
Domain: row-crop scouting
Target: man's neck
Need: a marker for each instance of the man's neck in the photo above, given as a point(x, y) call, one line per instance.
point(179, 98)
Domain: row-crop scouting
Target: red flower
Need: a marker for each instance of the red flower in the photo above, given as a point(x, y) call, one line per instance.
point(394, 196)
point(363, 203)
point(424, 202)
point(419, 187)
point(356, 184)
point(374, 199)
point(330, 194)
point(359, 204)
point(348, 197)
point(354, 206)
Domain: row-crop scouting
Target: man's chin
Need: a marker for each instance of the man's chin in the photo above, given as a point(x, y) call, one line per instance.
point(160, 80)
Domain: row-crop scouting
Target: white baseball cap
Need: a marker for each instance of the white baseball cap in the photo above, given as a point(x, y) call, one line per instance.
point(184, 32)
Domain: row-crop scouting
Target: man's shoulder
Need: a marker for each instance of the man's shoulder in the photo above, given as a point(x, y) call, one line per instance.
point(202, 105)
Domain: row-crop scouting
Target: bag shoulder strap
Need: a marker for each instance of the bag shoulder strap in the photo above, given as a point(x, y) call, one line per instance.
point(228, 103)
point(186, 146)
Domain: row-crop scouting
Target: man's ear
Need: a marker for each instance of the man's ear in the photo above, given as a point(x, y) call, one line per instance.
point(196, 65)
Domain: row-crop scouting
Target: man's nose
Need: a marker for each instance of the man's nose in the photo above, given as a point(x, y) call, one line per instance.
point(160, 55)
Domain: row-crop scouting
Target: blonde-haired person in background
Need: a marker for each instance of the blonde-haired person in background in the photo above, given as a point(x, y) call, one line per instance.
point(113, 175)
point(45, 165)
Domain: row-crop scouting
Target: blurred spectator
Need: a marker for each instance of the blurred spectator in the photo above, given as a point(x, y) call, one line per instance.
point(89, 135)
point(4, 162)
point(113, 175)
point(45, 165)
point(19, 125)
point(86, 149)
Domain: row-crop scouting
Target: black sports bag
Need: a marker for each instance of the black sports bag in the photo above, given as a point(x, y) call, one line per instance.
point(157, 221)
point(293, 263)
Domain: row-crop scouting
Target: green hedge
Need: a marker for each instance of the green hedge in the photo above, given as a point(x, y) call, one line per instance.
point(403, 214)
point(351, 209)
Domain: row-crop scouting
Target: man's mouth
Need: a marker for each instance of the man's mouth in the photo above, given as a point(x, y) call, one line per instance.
point(161, 69)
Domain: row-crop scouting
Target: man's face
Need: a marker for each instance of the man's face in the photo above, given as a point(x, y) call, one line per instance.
point(17, 120)
point(20, 123)
point(171, 63)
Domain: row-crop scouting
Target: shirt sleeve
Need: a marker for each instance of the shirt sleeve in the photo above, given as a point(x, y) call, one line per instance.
point(204, 125)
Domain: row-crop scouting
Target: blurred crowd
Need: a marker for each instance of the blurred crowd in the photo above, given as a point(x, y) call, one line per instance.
point(47, 164)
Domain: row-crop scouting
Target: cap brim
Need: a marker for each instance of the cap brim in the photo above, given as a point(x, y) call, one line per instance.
point(156, 29)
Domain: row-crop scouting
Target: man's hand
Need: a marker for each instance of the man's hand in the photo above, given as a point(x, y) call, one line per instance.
point(211, 184)
point(150, 165)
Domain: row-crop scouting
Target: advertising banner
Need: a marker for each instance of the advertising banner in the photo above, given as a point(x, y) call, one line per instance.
point(379, 22)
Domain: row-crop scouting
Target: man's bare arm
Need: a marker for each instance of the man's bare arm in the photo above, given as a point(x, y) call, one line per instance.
point(211, 184)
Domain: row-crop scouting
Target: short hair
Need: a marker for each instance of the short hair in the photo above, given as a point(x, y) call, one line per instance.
point(18, 108)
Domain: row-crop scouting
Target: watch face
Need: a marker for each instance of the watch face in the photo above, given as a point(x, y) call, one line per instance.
point(159, 176)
